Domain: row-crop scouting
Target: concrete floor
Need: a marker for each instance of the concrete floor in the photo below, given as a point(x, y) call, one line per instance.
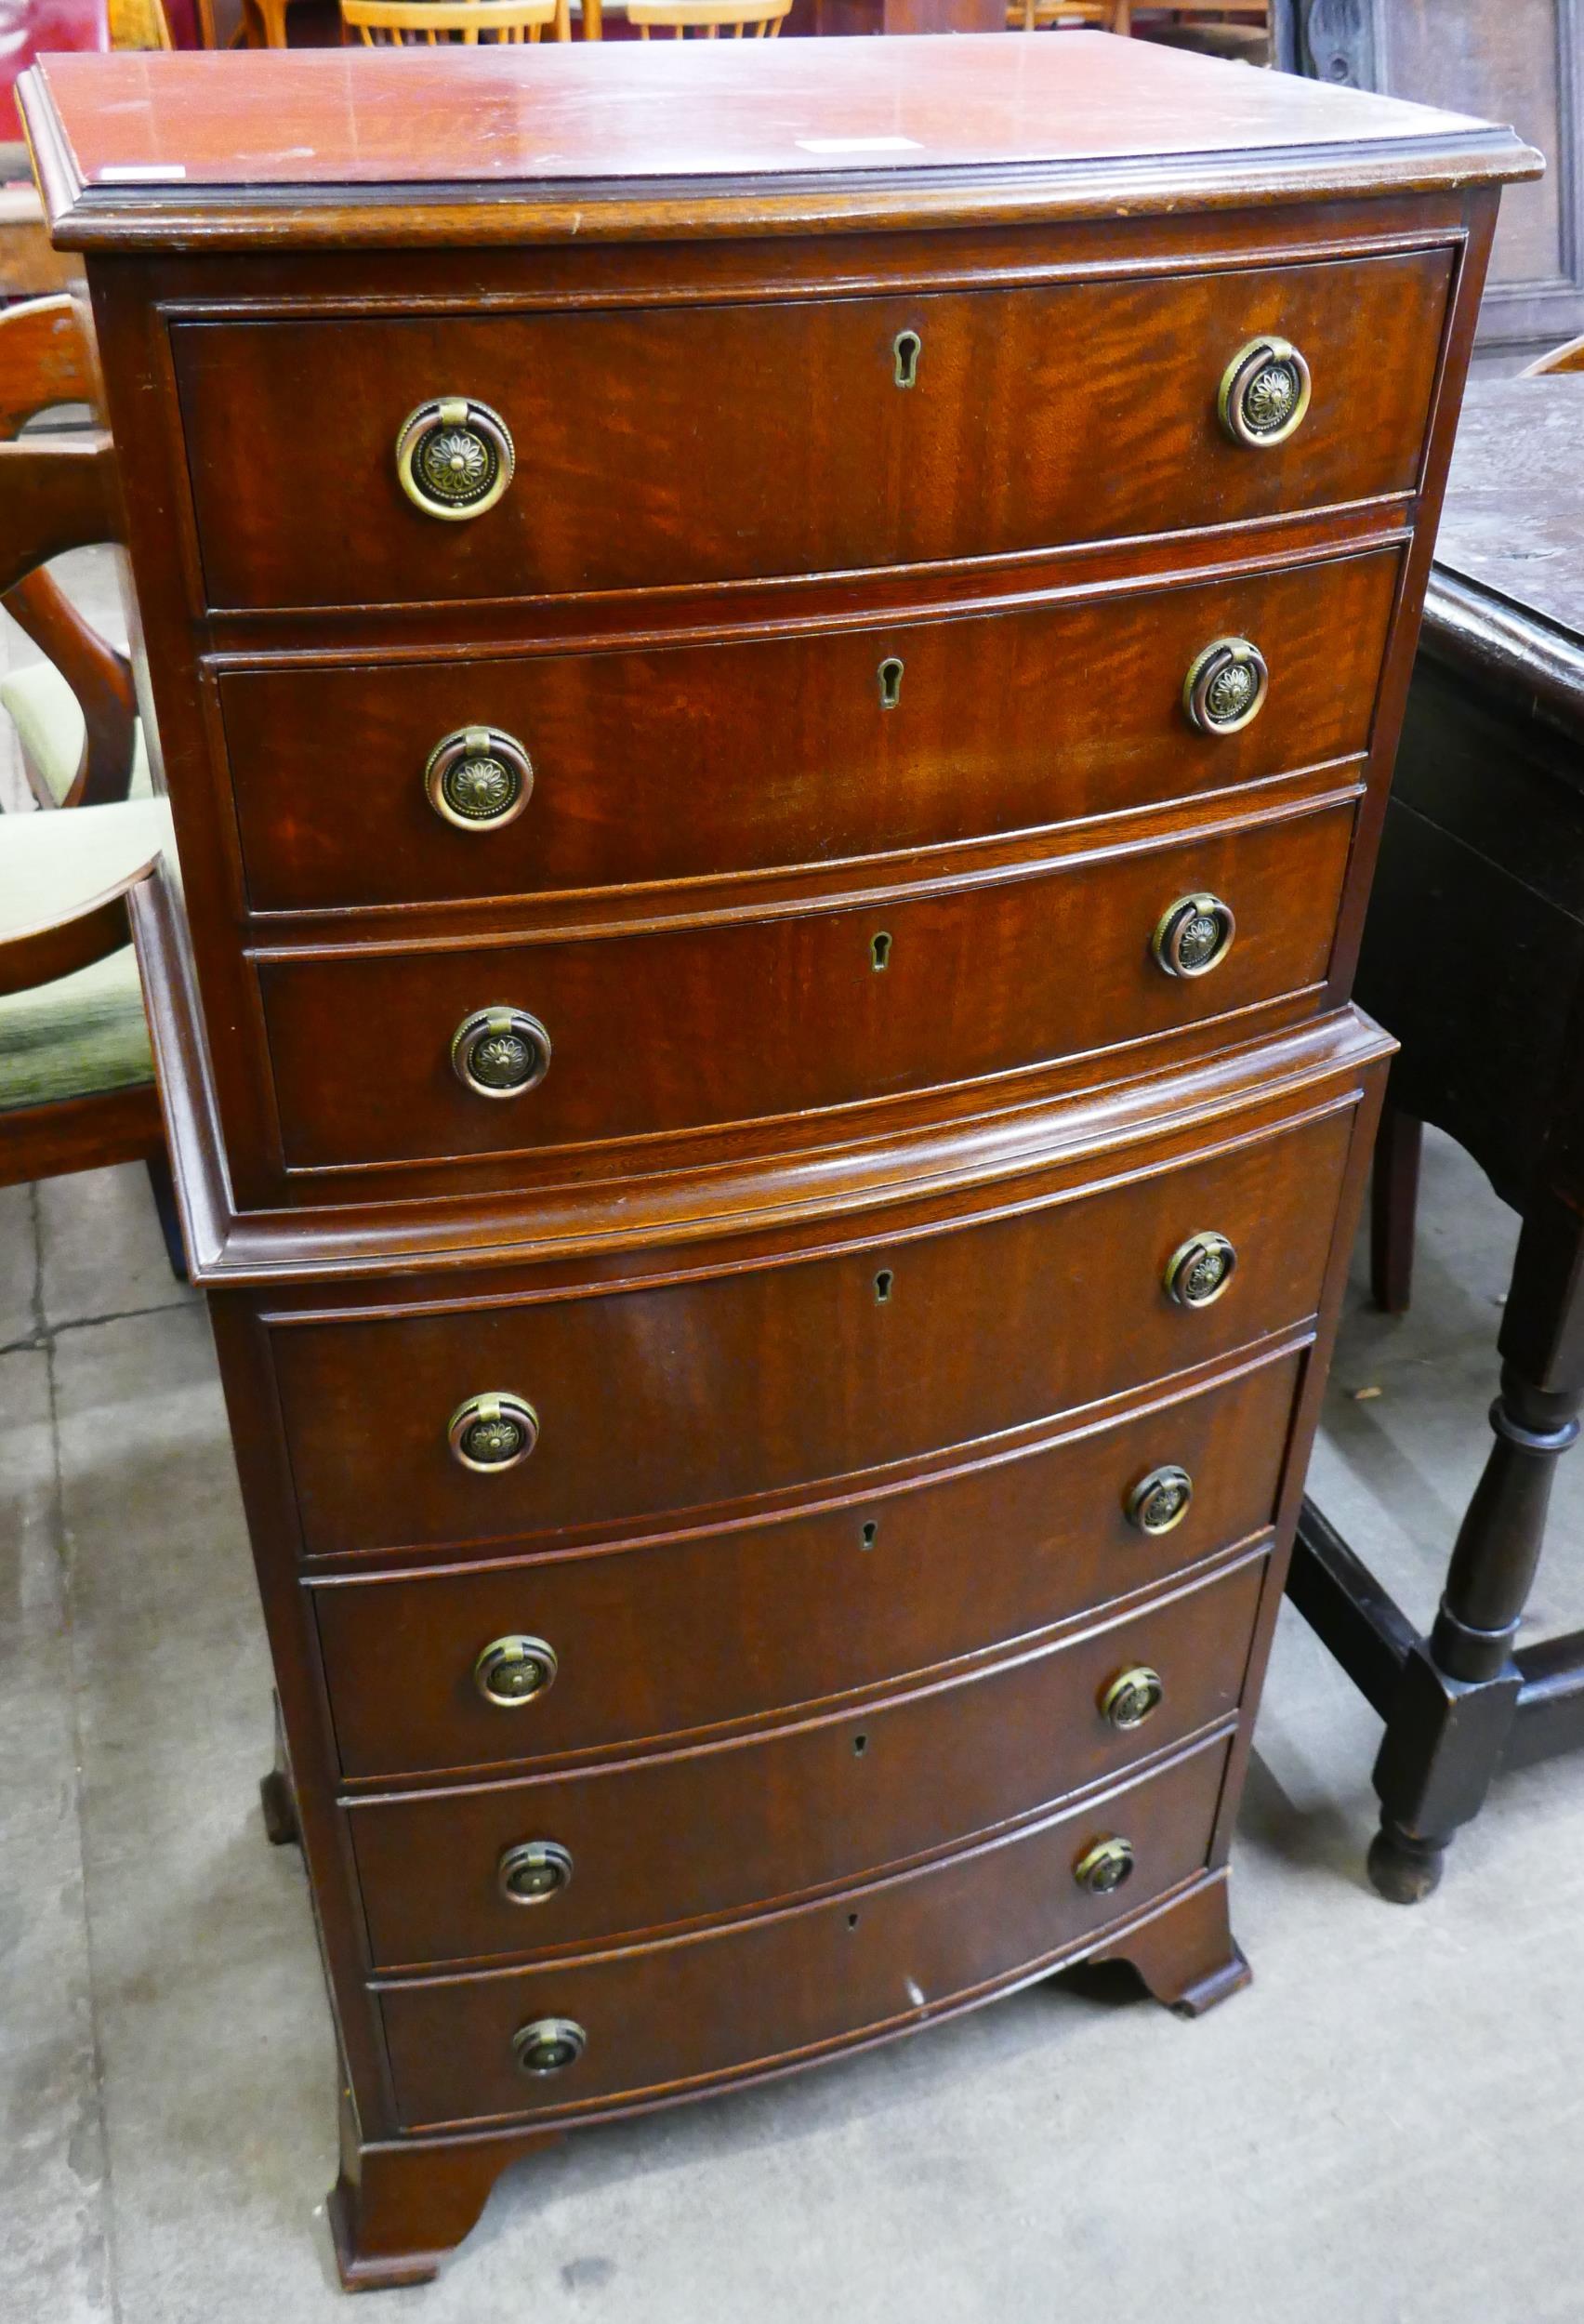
point(1389, 2127)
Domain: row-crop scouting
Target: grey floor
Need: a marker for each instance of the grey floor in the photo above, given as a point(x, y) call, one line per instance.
point(1388, 2126)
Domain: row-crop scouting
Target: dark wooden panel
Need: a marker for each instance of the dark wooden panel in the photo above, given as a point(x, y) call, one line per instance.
point(696, 1834)
point(693, 1631)
point(678, 1029)
point(642, 436)
point(675, 764)
point(701, 1392)
point(721, 2003)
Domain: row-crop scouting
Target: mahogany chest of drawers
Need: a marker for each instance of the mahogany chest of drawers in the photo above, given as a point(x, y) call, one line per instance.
point(777, 703)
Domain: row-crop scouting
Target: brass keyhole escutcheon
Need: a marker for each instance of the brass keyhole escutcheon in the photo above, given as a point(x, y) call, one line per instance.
point(1199, 1270)
point(907, 348)
point(1105, 1865)
point(1160, 1500)
point(880, 950)
point(533, 1871)
point(1226, 686)
point(455, 457)
point(479, 779)
point(890, 675)
point(514, 1671)
point(1193, 935)
point(490, 1432)
point(883, 1282)
point(548, 2046)
point(1264, 394)
point(1131, 1697)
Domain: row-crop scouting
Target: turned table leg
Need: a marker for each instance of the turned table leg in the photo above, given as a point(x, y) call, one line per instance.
point(1459, 1690)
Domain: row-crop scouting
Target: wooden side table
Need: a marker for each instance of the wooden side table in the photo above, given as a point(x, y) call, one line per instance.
point(1473, 956)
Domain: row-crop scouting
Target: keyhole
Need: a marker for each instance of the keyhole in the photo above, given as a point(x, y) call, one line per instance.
point(870, 1530)
point(907, 348)
point(853, 1920)
point(860, 1745)
point(883, 1287)
point(879, 950)
point(890, 675)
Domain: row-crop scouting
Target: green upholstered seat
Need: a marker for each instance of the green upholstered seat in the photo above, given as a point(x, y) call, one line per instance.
point(49, 722)
point(85, 1034)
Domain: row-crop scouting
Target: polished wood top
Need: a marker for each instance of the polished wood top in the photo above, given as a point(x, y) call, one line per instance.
point(1506, 597)
point(198, 148)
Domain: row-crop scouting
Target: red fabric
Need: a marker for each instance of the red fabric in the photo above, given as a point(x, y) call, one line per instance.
point(31, 28)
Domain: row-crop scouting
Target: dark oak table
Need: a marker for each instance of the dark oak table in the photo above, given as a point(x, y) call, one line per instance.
point(1473, 956)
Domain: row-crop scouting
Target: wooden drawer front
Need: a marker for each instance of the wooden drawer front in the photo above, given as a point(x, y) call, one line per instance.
point(876, 1960)
point(704, 1392)
point(684, 762)
point(693, 1631)
point(688, 1028)
point(721, 443)
point(724, 1827)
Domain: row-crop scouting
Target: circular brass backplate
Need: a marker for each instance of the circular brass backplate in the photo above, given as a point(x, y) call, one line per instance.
point(1264, 394)
point(1132, 1697)
point(1160, 1500)
point(455, 457)
point(533, 1871)
point(1226, 685)
point(500, 1052)
point(548, 2046)
point(479, 779)
point(1199, 1270)
point(492, 1433)
point(1193, 935)
point(1105, 1865)
point(514, 1671)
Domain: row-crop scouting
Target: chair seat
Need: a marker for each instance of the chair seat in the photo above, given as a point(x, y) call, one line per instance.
point(49, 722)
point(85, 1033)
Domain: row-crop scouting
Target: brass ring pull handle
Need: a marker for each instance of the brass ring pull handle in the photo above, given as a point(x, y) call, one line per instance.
point(514, 1671)
point(1264, 394)
point(1160, 1501)
point(1132, 1697)
point(548, 2046)
point(1226, 686)
point(1199, 1270)
point(1105, 1865)
point(492, 1432)
point(1193, 935)
point(533, 1871)
point(479, 779)
point(455, 457)
point(500, 1052)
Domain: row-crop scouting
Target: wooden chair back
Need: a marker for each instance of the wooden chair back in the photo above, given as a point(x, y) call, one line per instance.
point(710, 18)
point(1034, 15)
point(1568, 357)
point(59, 495)
point(437, 23)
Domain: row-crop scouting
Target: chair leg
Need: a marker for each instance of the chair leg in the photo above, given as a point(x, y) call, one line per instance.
point(170, 1220)
point(1393, 1201)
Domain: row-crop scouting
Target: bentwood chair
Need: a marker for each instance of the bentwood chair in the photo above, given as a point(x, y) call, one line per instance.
point(710, 18)
point(437, 23)
point(1569, 356)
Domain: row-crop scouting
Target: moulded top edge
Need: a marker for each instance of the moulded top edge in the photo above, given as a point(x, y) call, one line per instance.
point(667, 140)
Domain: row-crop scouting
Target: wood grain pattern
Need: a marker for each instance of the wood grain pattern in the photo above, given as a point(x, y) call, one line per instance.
point(717, 2004)
point(687, 1631)
point(670, 1031)
point(697, 1833)
point(699, 1392)
point(696, 762)
point(866, 474)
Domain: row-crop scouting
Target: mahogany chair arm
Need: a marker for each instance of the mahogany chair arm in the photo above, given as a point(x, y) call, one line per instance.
point(1568, 357)
point(100, 676)
point(56, 948)
point(56, 492)
point(46, 357)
